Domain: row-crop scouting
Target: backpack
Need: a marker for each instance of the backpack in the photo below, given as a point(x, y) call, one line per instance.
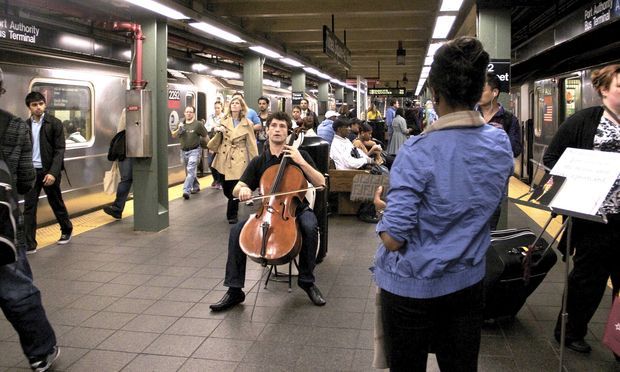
point(9, 213)
point(117, 147)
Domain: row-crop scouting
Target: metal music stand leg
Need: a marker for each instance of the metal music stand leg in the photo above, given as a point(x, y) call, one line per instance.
point(564, 318)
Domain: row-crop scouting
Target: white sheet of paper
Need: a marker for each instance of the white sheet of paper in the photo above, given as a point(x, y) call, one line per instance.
point(589, 177)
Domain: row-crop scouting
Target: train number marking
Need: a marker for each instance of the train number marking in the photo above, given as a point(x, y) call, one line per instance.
point(174, 94)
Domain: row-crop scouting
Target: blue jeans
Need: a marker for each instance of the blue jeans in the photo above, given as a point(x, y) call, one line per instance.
point(235, 264)
point(20, 301)
point(122, 192)
point(190, 160)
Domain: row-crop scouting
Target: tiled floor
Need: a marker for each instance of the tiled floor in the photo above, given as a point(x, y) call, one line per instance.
point(133, 301)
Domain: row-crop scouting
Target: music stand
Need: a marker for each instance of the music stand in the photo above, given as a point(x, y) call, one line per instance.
point(589, 176)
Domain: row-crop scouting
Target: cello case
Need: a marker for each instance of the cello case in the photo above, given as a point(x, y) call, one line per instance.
point(318, 149)
point(504, 286)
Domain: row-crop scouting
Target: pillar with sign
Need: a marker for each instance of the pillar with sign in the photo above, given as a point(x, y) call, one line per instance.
point(298, 80)
point(493, 30)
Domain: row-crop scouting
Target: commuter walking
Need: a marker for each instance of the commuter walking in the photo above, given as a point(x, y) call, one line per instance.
point(189, 132)
point(234, 145)
point(20, 300)
point(125, 166)
point(48, 151)
point(212, 122)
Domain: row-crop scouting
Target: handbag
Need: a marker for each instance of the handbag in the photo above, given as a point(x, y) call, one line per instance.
point(111, 179)
point(611, 338)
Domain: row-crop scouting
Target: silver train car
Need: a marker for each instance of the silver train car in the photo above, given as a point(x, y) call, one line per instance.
point(88, 96)
point(551, 78)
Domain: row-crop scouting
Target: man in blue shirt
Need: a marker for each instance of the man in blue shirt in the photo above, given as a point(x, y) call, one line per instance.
point(325, 130)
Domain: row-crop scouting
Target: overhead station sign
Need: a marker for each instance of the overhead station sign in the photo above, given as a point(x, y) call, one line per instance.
point(392, 92)
point(599, 13)
point(333, 47)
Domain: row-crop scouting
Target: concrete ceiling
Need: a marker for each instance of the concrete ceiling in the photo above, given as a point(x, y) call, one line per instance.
point(373, 28)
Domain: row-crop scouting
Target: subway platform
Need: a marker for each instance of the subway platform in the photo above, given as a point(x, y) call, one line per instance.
point(121, 300)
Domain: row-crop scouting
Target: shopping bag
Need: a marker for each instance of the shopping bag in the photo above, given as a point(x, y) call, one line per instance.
point(611, 339)
point(111, 179)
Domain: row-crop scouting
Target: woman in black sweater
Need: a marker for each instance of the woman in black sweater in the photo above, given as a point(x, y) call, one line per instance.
point(596, 245)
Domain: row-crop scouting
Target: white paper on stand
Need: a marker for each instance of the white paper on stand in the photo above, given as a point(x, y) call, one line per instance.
point(589, 177)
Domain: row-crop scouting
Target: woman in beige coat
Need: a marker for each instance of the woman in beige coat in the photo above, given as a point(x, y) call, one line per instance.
point(234, 145)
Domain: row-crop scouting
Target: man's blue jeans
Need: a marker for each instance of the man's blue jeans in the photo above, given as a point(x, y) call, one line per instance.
point(190, 160)
point(122, 192)
point(20, 301)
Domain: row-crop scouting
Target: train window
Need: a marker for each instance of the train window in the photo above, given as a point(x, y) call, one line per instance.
point(190, 99)
point(570, 97)
point(201, 107)
point(72, 103)
point(539, 112)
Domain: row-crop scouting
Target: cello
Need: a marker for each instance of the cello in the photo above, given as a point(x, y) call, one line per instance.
point(271, 235)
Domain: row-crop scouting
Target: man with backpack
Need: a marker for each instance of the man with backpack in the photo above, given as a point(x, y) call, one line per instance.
point(496, 115)
point(117, 152)
point(20, 300)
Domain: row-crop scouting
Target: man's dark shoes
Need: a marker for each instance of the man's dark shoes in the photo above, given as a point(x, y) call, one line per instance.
point(230, 299)
point(64, 238)
point(580, 346)
point(45, 363)
point(314, 293)
point(185, 196)
point(112, 212)
point(233, 221)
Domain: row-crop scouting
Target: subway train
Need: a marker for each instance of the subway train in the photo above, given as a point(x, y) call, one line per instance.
point(551, 80)
point(88, 96)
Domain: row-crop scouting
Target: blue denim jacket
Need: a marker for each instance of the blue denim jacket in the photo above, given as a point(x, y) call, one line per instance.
point(444, 186)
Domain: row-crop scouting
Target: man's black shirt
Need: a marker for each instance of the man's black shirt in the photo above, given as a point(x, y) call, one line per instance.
point(252, 174)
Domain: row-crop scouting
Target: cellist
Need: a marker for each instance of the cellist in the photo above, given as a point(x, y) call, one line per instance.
point(278, 126)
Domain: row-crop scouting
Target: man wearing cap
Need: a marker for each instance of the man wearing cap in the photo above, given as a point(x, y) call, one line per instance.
point(20, 300)
point(325, 129)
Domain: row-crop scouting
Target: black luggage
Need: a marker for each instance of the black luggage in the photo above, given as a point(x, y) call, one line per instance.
point(505, 287)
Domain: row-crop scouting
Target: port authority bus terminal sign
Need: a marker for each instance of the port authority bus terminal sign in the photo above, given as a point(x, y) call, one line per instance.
point(392, 92)
point(599, 13)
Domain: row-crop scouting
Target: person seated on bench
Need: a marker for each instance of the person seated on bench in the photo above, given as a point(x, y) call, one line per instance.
point(365, 143)
point(342, 152)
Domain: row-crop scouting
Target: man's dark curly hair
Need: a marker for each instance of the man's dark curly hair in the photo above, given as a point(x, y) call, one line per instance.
point(458, 71)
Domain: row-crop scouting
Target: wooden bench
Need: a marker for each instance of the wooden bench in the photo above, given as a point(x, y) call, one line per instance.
point(341, 182)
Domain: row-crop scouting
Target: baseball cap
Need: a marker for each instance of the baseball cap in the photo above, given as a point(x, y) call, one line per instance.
point(329, 114)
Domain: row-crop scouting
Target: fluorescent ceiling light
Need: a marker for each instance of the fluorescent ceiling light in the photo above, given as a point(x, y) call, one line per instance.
point(199, 67)
point(226, 74)
point(428, 61)
point(265, 51)
point(451, 5)
point(272, 83)
point(312, 70)
point(433, 48)
point(291, 62)
point(217, 32)
point(443, 26)
point(418, 89)
point(159, 8)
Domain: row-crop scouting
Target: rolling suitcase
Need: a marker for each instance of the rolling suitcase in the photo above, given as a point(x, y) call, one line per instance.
point(504, 285)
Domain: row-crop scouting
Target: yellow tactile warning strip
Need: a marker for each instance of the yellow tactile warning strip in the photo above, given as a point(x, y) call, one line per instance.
point(50, 234)
point(518, 188)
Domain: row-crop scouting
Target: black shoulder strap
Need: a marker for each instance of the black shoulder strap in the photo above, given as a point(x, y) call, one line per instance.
point(507, 120)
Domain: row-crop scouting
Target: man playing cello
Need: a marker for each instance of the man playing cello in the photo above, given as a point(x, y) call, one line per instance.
point(278, 126)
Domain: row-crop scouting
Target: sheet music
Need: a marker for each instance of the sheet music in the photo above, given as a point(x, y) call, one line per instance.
point(589, 177)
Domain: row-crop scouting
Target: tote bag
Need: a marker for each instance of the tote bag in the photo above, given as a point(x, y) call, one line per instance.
point(611, 338)
point(111, 179)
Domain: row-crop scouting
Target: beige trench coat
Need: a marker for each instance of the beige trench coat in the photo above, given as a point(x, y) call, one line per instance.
point(234, 149)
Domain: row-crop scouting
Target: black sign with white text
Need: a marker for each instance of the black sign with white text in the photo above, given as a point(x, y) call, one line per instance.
point(392, 92)
point(501, 68)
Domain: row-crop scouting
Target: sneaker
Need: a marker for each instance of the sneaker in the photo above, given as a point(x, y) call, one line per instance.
point(45, 363)
point(195, 191)
point(112, 212)
point(185, 196)
point(64, 239)
point(31, 251)
point(219, 186)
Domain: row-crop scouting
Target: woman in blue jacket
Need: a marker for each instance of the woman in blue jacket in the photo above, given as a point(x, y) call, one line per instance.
point(444, 186)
